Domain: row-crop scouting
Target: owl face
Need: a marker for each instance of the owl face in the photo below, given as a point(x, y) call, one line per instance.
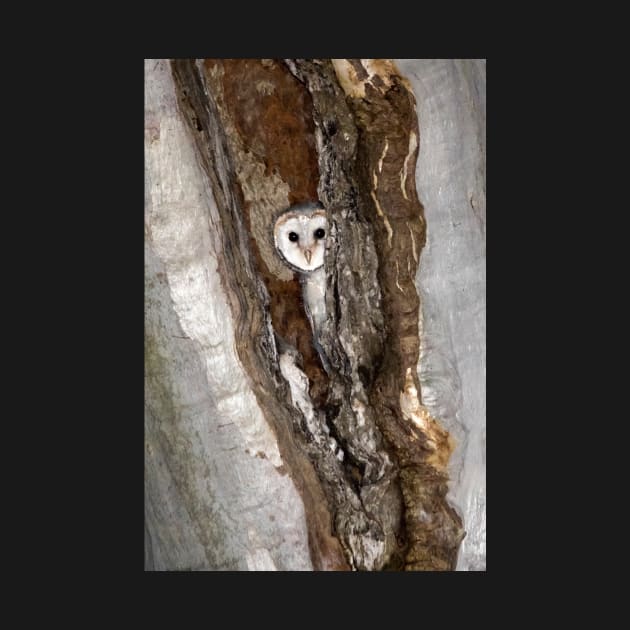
point(300, 237)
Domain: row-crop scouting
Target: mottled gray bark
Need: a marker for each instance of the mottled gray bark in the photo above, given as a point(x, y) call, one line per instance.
point(215, 495)
point(218, 495)
point(451, 179)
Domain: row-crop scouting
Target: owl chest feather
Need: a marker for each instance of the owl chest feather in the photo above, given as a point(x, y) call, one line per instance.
point(313, 293)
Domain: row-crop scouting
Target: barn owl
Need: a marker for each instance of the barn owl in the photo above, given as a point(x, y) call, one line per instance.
point(300, 234)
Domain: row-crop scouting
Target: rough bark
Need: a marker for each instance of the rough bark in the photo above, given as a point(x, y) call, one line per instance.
point(364, 453)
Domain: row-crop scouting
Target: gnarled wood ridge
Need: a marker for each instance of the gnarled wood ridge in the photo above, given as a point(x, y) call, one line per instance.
point(368, 460)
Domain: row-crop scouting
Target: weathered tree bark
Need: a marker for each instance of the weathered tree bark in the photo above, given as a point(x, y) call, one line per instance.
point(351, 437)
point(450, 176)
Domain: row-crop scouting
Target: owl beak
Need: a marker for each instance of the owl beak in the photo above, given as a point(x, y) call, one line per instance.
point(307, 255)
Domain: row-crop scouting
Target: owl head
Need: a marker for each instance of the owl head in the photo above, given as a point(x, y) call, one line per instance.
point(300, 236)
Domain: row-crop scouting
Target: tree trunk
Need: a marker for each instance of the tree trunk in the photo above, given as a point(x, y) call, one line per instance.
point(268, 447)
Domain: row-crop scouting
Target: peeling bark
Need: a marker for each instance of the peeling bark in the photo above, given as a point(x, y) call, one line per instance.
point(383, 109)
point(367, 458)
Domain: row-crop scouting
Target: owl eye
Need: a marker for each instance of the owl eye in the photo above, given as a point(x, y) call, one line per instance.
point(320, 233)
point(293, 237)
